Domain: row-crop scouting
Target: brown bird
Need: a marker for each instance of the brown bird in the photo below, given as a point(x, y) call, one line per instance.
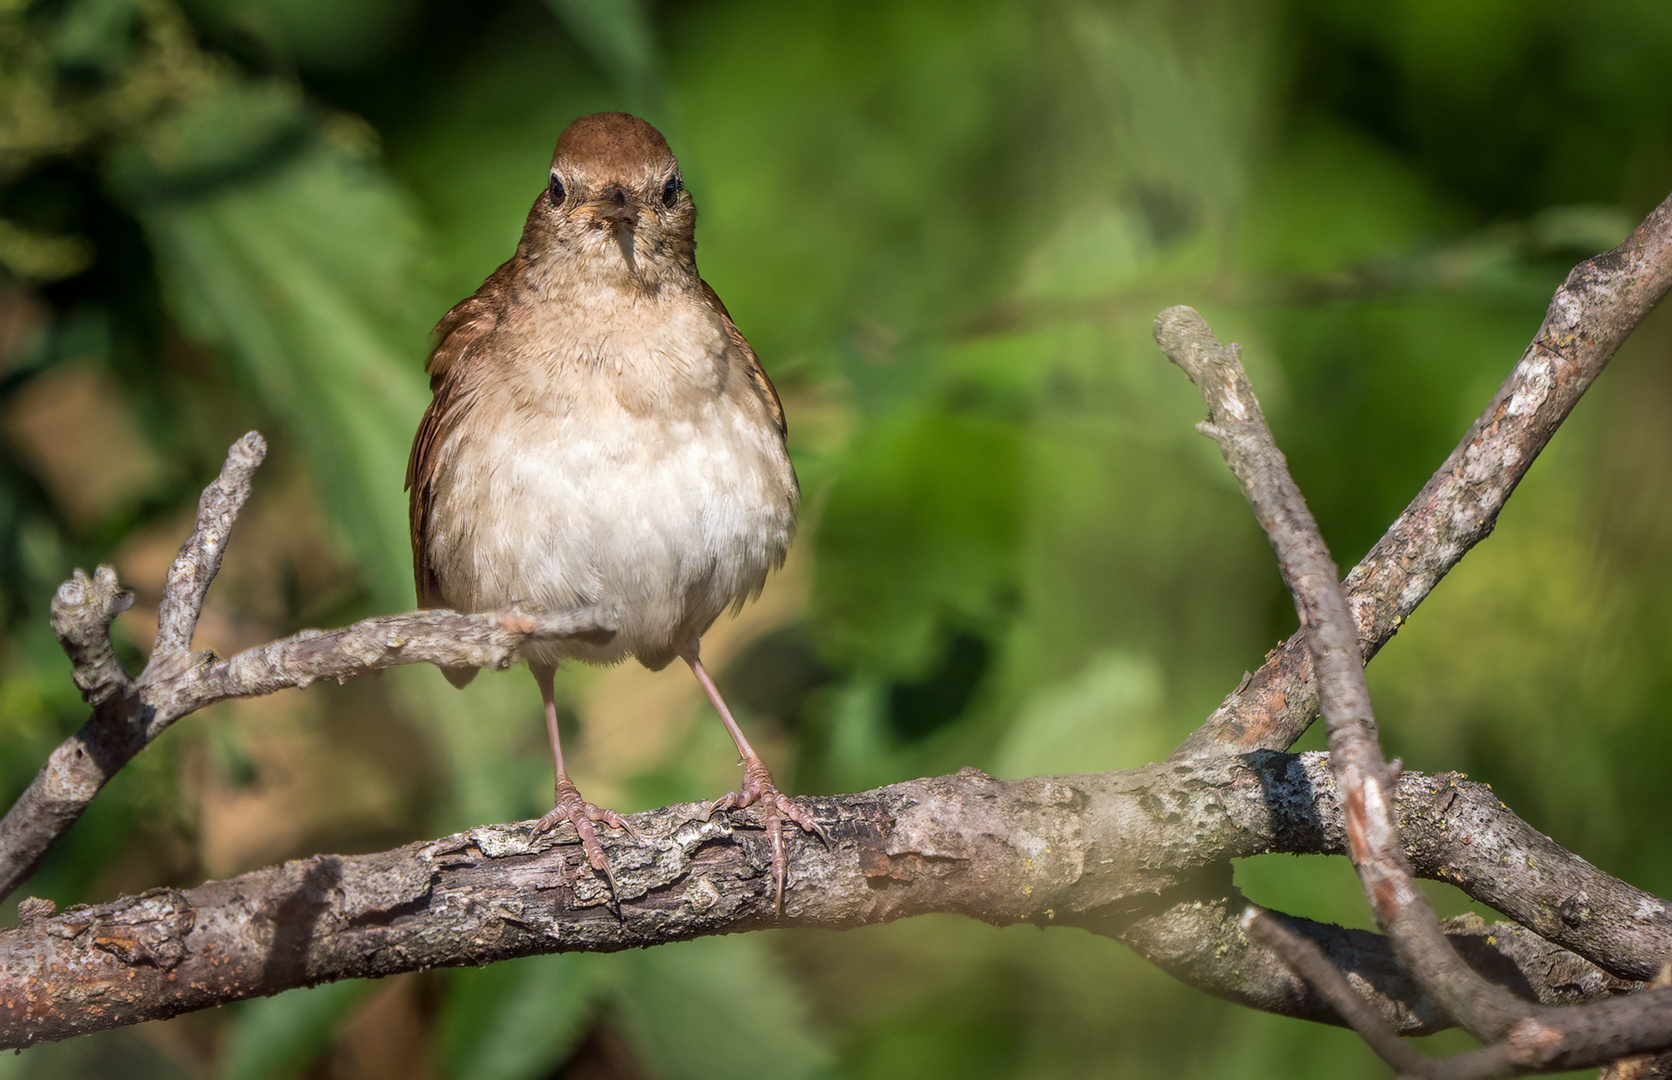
point(602, 433)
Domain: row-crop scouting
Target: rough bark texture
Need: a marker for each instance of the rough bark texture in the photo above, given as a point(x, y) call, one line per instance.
point(1140, 856)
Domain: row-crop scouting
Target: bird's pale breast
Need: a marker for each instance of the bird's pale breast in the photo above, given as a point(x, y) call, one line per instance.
point(628, 461)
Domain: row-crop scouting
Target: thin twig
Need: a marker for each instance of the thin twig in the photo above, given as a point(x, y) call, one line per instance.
point(82, 611)
point(1308, 961)
point(194, 569)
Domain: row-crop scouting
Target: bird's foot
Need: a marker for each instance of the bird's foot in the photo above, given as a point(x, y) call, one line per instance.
point(585, 817)
point(776, 809)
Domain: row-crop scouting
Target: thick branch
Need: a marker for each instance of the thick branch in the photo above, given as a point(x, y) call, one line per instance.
point(1599, 305)
point(1130, 855)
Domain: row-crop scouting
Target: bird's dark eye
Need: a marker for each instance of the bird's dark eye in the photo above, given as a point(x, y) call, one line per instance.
point(557, 191)
point(671, 190)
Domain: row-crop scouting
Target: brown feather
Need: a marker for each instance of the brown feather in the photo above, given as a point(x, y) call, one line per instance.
point(458, 336)
point(751, 363)
point(612, 141)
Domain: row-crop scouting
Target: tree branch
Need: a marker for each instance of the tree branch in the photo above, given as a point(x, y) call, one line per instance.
point(1594, 311)
point(1525, 1037)
point(1458, 832)
point(1304, 957)
point(128, 713)
point(194, 569)
point(1139, 856)
point(1201, 942)
point(82, 611)
point(1129, 855)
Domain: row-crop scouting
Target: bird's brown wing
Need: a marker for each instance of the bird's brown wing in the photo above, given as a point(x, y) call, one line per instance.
point(751, 363)
point(458, 336)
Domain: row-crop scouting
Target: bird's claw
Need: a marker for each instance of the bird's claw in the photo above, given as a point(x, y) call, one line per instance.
point(776, 808)
point(586, 817)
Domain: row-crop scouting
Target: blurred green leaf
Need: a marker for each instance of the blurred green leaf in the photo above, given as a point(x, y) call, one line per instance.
point(243, 131)
point(123, 1053)
point(618, 35)
point(921, 530)
point(857, 752)
point(281, 1036)
point(716, 1009)
point(1106, 717)
point(318, 33)
point(96, 34)
point(519, 1020)
point(305, 271)
point(41, 257)
point(1335, 198)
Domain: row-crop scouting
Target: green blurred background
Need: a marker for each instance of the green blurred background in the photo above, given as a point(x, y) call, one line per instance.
point(946, 229)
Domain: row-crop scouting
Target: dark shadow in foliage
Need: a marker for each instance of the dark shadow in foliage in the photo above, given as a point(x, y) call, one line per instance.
point(919, 708)
point(776, 675)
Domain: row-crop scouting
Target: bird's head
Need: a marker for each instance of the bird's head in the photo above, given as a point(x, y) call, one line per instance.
point(615, 209)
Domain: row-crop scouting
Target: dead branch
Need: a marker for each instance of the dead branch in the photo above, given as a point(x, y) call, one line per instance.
point(1519, 1036)
point(1136, 855)
point(130, 712)
point(1306, 959)
point(1596, 309)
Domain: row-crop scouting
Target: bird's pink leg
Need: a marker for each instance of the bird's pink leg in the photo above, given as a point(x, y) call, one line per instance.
point(570, 806)
point(776, 807)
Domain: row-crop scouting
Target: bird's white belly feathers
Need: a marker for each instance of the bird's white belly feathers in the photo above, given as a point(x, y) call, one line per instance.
point(670, 519)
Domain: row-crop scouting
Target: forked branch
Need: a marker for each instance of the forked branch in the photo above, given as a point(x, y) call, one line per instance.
point(1596, 309)
point(1519, 1036)
point(129, 712)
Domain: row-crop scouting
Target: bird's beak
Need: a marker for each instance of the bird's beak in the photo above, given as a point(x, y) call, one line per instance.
point(617, 211)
